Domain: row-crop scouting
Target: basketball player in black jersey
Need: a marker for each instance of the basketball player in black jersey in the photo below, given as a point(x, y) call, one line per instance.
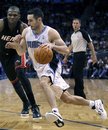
point(9, 27)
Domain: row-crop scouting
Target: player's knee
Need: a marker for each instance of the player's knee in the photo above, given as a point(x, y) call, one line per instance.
point(66, 99)
point(43, 83)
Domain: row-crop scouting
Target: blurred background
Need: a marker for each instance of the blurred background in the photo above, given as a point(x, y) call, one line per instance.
point(59, 14)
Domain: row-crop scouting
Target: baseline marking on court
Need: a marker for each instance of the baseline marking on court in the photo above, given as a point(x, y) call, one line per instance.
point(86, 123)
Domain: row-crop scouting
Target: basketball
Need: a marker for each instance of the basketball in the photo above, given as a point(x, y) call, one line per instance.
point(43, 54)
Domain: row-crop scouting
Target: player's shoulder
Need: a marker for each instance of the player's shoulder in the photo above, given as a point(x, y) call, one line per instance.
point(1, 24)
point(23, 26)
point(53, 34)
point(52, 30)
point(27, 29)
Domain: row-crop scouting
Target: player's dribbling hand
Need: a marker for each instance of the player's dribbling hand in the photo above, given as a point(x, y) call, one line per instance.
point(49, 45)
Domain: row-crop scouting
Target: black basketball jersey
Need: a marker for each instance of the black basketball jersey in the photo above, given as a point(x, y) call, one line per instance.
point(7, 35)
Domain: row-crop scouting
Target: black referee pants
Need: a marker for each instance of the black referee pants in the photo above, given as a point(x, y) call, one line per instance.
point(79, 60)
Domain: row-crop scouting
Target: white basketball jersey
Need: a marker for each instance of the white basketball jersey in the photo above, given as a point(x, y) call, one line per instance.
point(33, 41)
point(53, 69)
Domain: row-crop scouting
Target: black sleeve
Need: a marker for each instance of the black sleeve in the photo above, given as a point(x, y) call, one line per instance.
point(86, 36)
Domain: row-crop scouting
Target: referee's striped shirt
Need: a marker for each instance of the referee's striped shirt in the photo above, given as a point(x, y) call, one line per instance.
point(79, 40)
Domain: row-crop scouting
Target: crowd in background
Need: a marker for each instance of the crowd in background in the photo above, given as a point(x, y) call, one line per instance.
point(59, 16)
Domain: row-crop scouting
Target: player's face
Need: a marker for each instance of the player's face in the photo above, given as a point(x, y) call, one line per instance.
point(76, 25)
point(13, 16)
point(33, 22)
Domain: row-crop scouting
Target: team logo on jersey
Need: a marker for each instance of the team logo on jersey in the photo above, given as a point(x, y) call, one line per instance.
point(7, 38)
point(33, 44)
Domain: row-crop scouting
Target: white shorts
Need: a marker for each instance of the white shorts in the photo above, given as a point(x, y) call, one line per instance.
point(57, 80)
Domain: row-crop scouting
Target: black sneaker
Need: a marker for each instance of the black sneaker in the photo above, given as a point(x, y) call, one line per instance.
point(59, 123)
point(36, 113)
point(25, 111)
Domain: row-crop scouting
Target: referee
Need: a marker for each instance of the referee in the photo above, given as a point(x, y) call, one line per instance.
point(80, 39)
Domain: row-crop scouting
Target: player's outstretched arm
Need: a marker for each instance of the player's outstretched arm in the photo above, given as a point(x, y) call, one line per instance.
point(19, 43)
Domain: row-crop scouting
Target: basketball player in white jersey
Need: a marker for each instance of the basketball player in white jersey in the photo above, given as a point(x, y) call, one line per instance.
point(50, 74)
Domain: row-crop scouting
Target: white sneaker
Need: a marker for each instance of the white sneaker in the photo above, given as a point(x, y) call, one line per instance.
point(54, 117)
point(100, 109)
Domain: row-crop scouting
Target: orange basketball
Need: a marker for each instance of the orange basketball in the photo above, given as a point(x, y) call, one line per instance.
point(43, 55)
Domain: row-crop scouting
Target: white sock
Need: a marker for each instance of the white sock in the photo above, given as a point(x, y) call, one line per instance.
point(55, 110)
point(91, 104)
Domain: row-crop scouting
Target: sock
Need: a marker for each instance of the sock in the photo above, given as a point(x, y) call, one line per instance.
point(92, 104)
point(26, 86)
point(19, 90)
point(55, 110)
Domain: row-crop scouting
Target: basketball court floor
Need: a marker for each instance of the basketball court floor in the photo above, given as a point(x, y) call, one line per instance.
point(75, 117)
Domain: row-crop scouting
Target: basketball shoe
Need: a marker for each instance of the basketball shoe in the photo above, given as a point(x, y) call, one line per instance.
point(55, 117)
point(99, 107)
point(36, 112)
point(25, 110)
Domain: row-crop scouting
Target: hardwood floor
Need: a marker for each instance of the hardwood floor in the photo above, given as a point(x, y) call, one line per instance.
point(75, 117)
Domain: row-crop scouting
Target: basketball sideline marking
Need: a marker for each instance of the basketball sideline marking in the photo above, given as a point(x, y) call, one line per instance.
point(66, 120)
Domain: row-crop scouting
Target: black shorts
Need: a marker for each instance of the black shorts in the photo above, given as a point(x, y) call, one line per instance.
point(8, 64)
